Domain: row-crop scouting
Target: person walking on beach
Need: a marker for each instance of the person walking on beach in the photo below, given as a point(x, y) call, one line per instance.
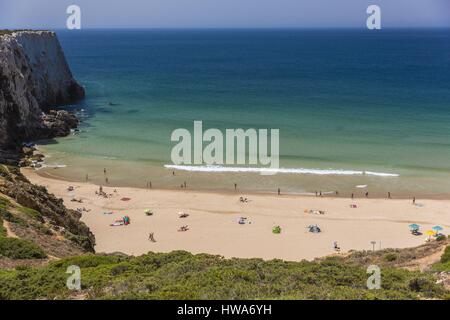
point(151, 237)
point(185, 184)
point(104, 171)
point(235, 186)
point(279, 191)
point(414, 200)
point(389, 195)
point(353, 196)
point(367, 194)
point(320, 193)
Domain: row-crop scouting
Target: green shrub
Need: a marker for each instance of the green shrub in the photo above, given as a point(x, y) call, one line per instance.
point(389, 257)
point(2, 228)
point(425, 286)
point(181, 275)
point(20, 249)
point(8, 216)
point(446, 256)
point(30, 212)
point(4, 202)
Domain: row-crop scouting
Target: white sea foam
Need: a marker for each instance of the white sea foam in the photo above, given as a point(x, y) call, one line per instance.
point(278, 170)
point(55, 166)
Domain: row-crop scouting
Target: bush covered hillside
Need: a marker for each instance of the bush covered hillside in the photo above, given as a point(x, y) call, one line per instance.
point(34, 225)
point(181, 275)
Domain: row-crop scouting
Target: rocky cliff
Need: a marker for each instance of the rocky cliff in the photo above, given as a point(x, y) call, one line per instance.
point(34, 77)
point(34, 81)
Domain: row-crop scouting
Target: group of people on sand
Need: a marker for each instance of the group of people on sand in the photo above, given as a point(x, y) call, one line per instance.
point(103, 194)
point(242, 199)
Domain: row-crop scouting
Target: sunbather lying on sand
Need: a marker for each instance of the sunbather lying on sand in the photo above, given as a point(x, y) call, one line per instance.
point(242, 199)
point(314, 211)
point(336, 247)
point(183, 228)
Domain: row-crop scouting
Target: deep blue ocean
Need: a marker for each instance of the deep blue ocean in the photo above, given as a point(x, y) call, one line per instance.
point(373, 101)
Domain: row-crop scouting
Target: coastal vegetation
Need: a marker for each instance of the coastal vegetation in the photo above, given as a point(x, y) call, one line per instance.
point(182, 275)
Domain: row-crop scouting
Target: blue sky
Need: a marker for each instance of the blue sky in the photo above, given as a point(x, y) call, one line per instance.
point(223, 13)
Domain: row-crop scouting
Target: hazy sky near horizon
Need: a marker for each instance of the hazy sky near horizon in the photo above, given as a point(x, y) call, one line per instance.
point(223, 13)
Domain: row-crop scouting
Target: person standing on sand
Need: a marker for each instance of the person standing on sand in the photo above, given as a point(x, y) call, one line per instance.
point(185, 184)
point(367, 194)
point(320, 193)
point(104, 171)
point(353, 196)
point(414, 200)
point(279, 191)
point(389, 195)
point(235, 186)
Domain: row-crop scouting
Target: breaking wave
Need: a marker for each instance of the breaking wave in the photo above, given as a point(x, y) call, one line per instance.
point(278, 170)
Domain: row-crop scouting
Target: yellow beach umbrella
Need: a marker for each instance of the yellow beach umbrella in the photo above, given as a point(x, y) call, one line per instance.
point(430, 233)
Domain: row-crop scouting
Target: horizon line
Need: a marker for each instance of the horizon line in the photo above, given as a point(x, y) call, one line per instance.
point(231, 28)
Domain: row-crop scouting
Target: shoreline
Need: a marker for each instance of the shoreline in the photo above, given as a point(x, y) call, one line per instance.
point(325, 194)
point(214, 228)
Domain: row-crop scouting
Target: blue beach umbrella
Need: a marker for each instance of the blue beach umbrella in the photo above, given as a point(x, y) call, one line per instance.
point(414, 226)
point(437, 228)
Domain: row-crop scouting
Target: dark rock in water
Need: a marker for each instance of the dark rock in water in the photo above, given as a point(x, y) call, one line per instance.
point(59, 123)
point(38, 157)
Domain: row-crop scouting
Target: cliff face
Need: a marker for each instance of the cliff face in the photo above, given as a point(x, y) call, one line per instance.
point(34, 76)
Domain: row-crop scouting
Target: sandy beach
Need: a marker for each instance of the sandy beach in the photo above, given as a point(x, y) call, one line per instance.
point(213, 221)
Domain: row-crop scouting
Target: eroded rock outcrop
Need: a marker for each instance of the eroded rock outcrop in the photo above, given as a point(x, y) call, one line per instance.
point(50, 210)
point(34, 77)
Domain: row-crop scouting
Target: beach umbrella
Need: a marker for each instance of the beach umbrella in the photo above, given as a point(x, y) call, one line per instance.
point(414, 226)
point(430, 233)
point(437, 228)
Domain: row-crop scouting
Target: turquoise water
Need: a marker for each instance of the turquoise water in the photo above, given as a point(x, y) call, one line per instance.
point(342, 99)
